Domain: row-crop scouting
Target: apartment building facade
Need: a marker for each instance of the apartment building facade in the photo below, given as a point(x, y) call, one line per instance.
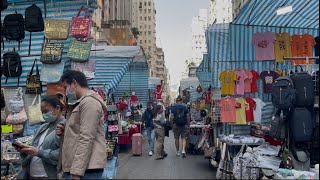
point(237, 6)
point(220, 11)
point(199, 26)
point(144, 19)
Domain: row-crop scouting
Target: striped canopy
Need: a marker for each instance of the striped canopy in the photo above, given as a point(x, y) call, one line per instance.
point(305, 13)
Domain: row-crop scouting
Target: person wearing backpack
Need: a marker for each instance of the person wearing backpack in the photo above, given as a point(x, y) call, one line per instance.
point(180, 121)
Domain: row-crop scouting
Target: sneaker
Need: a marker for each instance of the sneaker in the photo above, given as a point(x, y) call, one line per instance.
point(150, 153)
point(184, 155)
point(165, 155)
point(178, 154)
point(161, 157)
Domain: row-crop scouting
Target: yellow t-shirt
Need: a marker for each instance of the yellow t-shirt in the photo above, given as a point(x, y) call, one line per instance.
point(241, 112)
point(227, 79)
point(282, 46)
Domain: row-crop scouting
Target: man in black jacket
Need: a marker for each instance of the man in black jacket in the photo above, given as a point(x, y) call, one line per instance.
point(147, 118)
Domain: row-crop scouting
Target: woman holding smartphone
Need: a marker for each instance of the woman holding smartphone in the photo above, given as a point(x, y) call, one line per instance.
point(40, 159)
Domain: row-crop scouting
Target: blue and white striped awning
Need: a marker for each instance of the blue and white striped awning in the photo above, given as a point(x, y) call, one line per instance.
point(204, 73)
point(305, 13)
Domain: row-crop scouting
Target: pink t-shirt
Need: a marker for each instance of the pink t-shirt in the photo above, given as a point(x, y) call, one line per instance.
point(242, 76)
point(228, 110)
point(264, 45)
point(248, 81)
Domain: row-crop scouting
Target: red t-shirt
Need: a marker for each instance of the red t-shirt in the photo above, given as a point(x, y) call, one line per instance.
point(255, 77)
point(228, 110)
point(249, 109)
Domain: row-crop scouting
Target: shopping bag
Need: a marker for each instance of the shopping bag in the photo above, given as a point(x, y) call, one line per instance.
point(17, 118)
point(79, 51)
point(16, 104)
point(52, 73)
point(51, 53)
point(56, 29)
point(88, 68)
point(35, 114)
point(81, 25)
point(34, 85)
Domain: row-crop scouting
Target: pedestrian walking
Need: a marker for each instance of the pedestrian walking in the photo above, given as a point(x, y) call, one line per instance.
point(180, 123)
point(84, 147)
point(159, 122)
point(40, 159)
point(147, 118)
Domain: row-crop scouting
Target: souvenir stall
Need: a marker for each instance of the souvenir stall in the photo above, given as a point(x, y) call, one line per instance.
point(263, 56)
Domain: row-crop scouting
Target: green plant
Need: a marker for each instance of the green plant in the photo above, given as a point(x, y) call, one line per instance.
point(135, 32)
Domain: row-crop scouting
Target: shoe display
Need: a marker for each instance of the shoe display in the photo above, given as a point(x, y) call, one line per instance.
point(150, 153)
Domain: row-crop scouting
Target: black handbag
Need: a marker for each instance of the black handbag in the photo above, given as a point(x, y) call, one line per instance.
point(51, 53)
point(34, 85)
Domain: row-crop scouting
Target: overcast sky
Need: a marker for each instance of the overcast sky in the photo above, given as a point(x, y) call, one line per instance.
point(174, 32)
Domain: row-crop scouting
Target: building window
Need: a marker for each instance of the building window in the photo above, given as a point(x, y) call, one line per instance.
point(149, 10)
point(149, 3)
point(140, 5)
point(145, 18)
point(141, 18)
point(145, 11)
point(149, 18)
point(145, 41)
point(145, 3)
point(149, 41)
point(149, 32)
point(140, 26)
point(149, 26)
point(140, 41)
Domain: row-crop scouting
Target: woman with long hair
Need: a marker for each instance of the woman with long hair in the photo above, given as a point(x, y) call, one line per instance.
point(159, 122)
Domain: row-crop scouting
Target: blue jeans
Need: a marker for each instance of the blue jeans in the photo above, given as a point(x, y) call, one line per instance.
point(151, 135)
point(89, 175)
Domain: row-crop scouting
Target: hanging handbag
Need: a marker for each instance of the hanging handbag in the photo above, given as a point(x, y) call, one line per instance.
point(35, 114)
point(17, 129)
point(17, 118)
point(51, 53)
point(224, 170)
point(16, 104)
point(34, 85)
point(88, 68)
point(51, 73)
point(79, 51)
point(81, 26)
point(56, 29)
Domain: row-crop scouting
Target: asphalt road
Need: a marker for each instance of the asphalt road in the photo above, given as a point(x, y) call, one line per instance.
point(172, 167)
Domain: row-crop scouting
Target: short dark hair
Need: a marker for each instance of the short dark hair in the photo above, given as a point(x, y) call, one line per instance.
point(156, 110)
point(70, 75)
point(54, 101)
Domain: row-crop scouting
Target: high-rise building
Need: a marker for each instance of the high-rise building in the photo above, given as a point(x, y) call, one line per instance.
point(220, 11)
point(198, 28)
point(161, 71)
point(237, 6)
point(144, 19)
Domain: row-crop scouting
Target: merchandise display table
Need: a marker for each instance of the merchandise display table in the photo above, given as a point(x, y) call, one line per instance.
point(235, 147)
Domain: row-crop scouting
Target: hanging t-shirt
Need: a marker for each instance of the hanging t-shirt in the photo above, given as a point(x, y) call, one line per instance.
point(264, 45)
point(268, 77)
point(302, 47)
point(257, 113)
point(255, 77)
point(241, 111)
point(249, 109)
point(228, 110)
point(227, 79)
point(248, 81)
point(317, 48)
point(241, 77)
point(282, 47)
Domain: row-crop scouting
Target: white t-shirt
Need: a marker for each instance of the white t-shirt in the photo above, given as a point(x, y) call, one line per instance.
point(258, 110)
point(36, 165)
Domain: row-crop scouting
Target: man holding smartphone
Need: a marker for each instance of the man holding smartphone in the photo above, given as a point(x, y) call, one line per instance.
point(84, 147)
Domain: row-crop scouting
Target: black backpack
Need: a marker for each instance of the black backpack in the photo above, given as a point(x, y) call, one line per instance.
point(304, 86)
point(33, 21)
point(4, 4)
point(278, 126)
point(301, 125)
point(283, 93)
point(13, 27)
point(180, 118)
point(12, 65)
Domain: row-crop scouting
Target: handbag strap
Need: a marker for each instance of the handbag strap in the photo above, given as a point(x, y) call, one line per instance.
point(37, 68)
point(34, 100)
point(82, 9)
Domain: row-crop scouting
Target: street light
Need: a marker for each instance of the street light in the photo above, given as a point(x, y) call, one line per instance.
point(284, 10)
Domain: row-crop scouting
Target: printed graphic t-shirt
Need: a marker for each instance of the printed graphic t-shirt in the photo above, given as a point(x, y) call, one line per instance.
point(241, 77)
point(282, 47)
point(264, 45)
point(268, 77)
point(228, 110)
point(254, 85)
point(228, 79)
point(241, 111)
point(302, 47)
point(248, 81)
point(249, 109)
point(258, 110)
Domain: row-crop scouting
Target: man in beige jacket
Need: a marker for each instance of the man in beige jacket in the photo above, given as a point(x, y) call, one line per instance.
point(84, 146)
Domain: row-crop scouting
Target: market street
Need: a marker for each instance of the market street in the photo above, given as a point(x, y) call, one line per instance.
point(172, 167)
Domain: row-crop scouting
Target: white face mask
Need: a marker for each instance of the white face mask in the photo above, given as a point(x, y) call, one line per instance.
point(49, 117)
point(72, 97)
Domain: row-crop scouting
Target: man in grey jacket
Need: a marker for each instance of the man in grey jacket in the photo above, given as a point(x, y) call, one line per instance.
point(84, 147)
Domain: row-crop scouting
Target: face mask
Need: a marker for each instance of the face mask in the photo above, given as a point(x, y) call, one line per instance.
point(72, 97)
point(49, 117)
